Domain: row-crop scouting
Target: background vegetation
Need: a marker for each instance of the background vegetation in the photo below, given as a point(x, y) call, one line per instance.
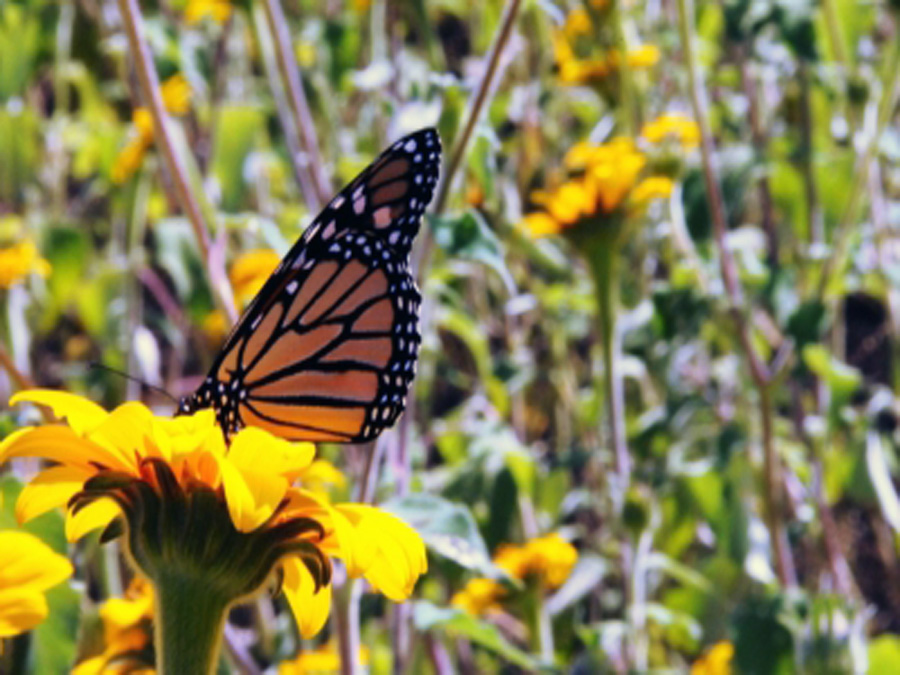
point(720, 456)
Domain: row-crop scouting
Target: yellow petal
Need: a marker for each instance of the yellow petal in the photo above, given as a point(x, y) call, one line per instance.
point(541, 225)
point(257, 449)
point(50, 489)
point(59, 444)
point(27, 562)
point(92, 666)
point(20, 610)
point(310, 609)
point(125, 432)
point(80, 413)
point(93, 516)
point(357, 546)
point(321, 475)
point(183, 434)
point(399, 557)
point(252, 496)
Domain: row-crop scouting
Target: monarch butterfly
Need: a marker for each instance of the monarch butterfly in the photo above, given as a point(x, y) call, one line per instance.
point(327, 349)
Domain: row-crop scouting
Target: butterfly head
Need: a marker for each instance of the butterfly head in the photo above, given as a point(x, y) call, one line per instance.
point(199, 400)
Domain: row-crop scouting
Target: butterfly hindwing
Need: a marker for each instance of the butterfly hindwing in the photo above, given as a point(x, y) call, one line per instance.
point(327, 349)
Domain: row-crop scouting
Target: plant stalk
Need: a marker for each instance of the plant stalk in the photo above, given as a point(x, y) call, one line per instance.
point(303, 118)
point(189, 622)
point(627, 92)
point(482, 95)
point(150, 90)
point(773, 495)
point(19, 379)
point(890, 91)
point(604, 270)
point(759, 372)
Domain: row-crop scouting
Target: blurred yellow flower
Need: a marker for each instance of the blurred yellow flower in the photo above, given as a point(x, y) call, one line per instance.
point(176, 94)
point(127, 633)
point(580, 62)
point(716, 661)
point(321, 661)
point(549, 559)
point(672, 127)
point(250, 271)
point(643, 57)
point(20, 260)
point(306, 53)
point(479, 596)
point(578, 22)
point(215, 326)
point(655, 187)
point(28, 568)
point(130, 463)
point(218, 11)
point(606, 178)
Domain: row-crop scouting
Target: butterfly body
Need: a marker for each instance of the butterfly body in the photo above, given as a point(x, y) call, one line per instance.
point(328, 348)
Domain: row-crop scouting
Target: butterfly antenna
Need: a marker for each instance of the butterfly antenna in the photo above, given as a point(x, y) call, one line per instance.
point(151, 387)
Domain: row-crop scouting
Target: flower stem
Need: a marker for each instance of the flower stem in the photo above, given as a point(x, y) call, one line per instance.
point(773, 488)
point(485, 89)
point(299, 163)
point(303, 118)
point(150, 91)
point(189, 621)
point(603, 268)
point(890, 91)
point(20, 379)
point(630, 112)
point(346, 624)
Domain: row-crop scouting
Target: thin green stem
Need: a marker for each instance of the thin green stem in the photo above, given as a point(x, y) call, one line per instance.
point(774, 494)
point(627, 92)
point(189, 621)
point(291, 134)
point(602, 256)
point(150, 91)
point(890, 90)
point(835, 33)
point(303, 118)
point(603, 268)
point(19, 379)
point(482, 95)
point(346, 624)
point(761, 376)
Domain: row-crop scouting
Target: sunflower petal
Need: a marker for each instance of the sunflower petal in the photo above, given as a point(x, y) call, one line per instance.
point(48, 490)
point(80, 413)
point(93, 516)
point(252, 496)
point(59, 444)
point(27, 562)
point(310, 609)
point(280, 456)
point(20, 610)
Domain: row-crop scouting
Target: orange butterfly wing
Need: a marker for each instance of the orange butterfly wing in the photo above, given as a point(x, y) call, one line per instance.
point(328, 348)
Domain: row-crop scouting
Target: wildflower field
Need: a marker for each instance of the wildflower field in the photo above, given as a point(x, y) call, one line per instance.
point(590, 369)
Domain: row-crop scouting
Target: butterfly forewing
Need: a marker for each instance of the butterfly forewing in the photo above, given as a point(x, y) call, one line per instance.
point(328, 348)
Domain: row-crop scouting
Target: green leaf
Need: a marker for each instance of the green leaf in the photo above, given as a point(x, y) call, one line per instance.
point(457, 623)
point(448, 528)
point(468, 237)
point(472, 335)
point(237, 130)
point(843, 380)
